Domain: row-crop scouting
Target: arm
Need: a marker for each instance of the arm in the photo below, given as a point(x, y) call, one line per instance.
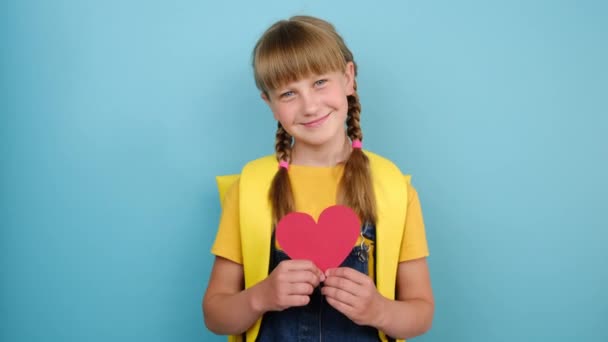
point(412, 313)
point(224, 293)
point(355, 295)
point(228, 308)
point(231, 310)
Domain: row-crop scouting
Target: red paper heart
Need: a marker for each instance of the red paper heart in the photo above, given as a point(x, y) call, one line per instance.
point(326, 243)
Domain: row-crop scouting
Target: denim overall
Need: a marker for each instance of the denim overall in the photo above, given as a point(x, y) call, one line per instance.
point(318, 321)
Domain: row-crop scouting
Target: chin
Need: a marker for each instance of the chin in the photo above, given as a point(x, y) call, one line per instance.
point(315, 141)
point(317, 138)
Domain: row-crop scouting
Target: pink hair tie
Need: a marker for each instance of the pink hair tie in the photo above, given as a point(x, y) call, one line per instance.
point(357, 144)
point(284, 164)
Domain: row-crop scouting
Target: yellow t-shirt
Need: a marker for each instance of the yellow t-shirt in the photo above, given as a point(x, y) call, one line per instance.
point(314, 189)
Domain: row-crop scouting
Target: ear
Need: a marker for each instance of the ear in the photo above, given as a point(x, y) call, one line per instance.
point(349, 75)
point(266, 99)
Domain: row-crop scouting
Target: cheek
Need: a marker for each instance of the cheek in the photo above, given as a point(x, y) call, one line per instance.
point(283, 114)
point(276, 113)
point(286, 111)
point(339, 100)
point(338, 94)
point(276, 109)
point(349, 89)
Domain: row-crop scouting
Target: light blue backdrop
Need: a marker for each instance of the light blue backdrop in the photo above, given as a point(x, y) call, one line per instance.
point(117, 115)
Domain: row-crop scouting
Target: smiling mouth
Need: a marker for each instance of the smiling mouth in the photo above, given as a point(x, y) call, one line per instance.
point(317, 122)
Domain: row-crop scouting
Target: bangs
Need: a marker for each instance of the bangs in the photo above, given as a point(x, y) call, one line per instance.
point(290, 51)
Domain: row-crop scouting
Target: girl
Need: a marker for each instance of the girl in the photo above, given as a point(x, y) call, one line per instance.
point(306, 75)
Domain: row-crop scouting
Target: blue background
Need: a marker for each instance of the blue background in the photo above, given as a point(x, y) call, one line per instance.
point(117, 115)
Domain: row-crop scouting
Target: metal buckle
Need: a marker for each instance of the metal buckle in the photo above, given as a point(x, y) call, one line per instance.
point(363, 253)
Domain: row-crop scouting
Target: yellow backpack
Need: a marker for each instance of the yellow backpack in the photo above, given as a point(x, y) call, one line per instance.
point(390, 187)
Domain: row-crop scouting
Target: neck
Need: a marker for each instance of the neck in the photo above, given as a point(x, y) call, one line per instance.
point(329, 154)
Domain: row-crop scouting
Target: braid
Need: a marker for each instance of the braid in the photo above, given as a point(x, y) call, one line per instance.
point(280, 194)
point(354, 116)
point(356, 188)
point(282, 144)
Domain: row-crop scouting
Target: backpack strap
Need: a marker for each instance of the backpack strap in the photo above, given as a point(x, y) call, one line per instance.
point(390, 188)
point(256, 223)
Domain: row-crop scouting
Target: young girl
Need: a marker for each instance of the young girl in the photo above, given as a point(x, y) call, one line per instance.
point(382, 291)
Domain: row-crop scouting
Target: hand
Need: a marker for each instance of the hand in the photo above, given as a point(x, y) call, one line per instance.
point(290, 284)
point(354, 294)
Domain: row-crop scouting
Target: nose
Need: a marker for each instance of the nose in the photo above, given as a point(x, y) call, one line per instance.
point(310, 101)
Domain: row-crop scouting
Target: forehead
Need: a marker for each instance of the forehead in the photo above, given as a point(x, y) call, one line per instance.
point(289, 55)
point(301, 75)
point(306, 81)
point(308, 78)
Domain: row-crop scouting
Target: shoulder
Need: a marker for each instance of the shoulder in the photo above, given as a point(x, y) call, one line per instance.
point(262, 163)
point(389, 179)
point(380, 164)
point(255, 170)
point(380, 161)
point(256, 176)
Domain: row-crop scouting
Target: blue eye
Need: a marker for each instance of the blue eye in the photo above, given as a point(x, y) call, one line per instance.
point(287, 94)
point(320, 82)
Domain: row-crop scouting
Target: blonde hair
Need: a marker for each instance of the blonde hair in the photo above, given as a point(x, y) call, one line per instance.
point(294, 49)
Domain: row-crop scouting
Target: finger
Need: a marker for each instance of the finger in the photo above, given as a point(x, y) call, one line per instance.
point(303, 277)
point(305, 265)
point(301, 289)
point(339, 295)
point(309, 265)
point(297, 300)
point(343, 308)
point(342, 284)
point(348, 273)
point(320, 274)
point(301, 265)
